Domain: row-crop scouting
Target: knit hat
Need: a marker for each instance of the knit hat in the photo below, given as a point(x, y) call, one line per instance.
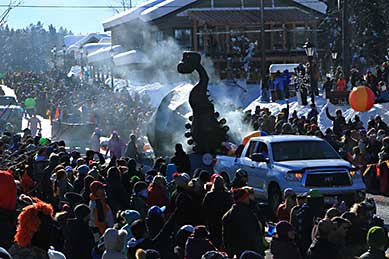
point(73, 198)
point(214, 255)
point(130, 216)
point(213, 177)
point(282, 228)
point(182, 181)
point(114, 239)
point(156, 211)
point(68, 168)
point(139, 186)
point(240, 194)
point(250, 255)
point(289, 192)
point(96, 185)
point(81, 211)
point(201, 232)
point(83, 169)
point(188, 228)
point(152, 254)
point(8, 191)
point(53, 254)
point(376, 237)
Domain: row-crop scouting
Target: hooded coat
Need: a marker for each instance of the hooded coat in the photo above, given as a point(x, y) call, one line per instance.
point(79, 240)
point(114, 241)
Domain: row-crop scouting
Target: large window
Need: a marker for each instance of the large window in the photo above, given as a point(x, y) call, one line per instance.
point(299, 36)
point(183, 37)
point(278, 37)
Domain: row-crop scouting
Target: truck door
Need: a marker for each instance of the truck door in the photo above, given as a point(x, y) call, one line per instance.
point(257, 172)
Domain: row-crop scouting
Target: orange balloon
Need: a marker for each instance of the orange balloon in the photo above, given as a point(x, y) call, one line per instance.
point(361, 98)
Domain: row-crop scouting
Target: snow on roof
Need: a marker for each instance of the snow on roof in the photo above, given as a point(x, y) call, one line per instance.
point(105, 40)
point(104, 53)
point(316, 5)
point(91, 47)
point(71, 39)
point(85, 39)
point(130, 57)
point(148, 11)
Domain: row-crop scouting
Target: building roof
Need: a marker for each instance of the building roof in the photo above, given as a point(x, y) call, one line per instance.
point(104, 54)
point(86, 39)
point(316, 5)
point(154, 9)
point(132, 57)
point(250, 16)
point(148, 11)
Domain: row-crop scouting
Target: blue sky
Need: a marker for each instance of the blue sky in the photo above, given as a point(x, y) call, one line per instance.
point(77, 20)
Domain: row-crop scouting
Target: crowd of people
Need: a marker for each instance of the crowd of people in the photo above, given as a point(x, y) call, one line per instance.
point(69, 99)
point(86, 207)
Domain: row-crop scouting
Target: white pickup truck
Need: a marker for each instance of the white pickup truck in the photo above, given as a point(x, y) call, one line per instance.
point(274, 163)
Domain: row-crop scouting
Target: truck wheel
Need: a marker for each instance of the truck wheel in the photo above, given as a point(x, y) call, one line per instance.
point(275, 197)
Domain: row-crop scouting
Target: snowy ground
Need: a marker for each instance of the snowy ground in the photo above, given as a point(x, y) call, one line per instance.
point(321, 103)
point(46, 125)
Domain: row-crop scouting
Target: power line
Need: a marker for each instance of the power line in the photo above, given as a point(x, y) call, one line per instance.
point(110, 7)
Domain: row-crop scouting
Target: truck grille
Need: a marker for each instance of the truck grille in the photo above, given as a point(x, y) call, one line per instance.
point(328, 179)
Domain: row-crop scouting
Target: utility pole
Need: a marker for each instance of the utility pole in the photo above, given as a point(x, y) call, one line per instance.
point(263, 72)
point(345, 40)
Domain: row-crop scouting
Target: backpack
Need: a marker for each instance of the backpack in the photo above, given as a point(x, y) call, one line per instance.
point(303, 221)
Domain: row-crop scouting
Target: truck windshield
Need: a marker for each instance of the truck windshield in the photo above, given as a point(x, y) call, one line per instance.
point(302, 150)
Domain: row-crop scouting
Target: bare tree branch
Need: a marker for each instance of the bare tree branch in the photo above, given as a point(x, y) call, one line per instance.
point(11, 5)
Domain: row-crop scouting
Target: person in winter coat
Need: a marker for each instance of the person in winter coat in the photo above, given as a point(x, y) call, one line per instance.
point(101, 216)
point(155, 220)
point(61, 186)
point(240, 179)
point(215, 204)
point(241, 227)
point(182, 201)
point(378, 243)
point(181, 237)
point(384, 154)
point(45, 187)
point(36, 232)
point(381, 124)
point(132, 148)
point(339, 122)
point(198, 244)
point(279, 86)
point(116, 194)
point(322, 247)
point(313, 113)
point(114, 241)
point(79, 181)
point(139, 198)
point(7, 209)
point(95, 140)
point(79, 240)
point(116, 146)
point(283, 245)
point(181, 160)
point(283, 210)
point(157, 192)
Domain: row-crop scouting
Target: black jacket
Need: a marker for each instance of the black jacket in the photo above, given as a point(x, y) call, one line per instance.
point(339, 124)
point(79, 240)
point(323, 249)
point(242, 231)
point(373, 254)
point(181, 160)
point(215, 205)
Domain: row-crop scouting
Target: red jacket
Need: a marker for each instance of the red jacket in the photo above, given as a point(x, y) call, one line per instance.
point(157, 195)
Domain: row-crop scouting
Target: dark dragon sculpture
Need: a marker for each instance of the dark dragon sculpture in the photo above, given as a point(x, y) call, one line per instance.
point(206, 132)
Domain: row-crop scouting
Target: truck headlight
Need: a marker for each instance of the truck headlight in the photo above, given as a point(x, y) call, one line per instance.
point(294, 176)
point(355, 173)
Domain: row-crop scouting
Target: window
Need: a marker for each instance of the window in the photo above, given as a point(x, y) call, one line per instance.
point(250, 149)
point(299, 36)
point(278, 37)
point(183, 37)
point(302, 150)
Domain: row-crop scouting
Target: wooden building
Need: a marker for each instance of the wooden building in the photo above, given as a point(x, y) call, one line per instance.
point(213, 26)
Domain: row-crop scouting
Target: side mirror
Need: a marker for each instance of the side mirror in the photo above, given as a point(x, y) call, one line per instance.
point(259, 158)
